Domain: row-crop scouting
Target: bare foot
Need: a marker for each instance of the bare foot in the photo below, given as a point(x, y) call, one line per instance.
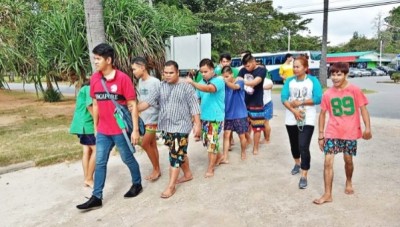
point(323, 199)
point(349, 188)
point(153, 176)
point(255, 152)
point(88, 183)
point(209, 174)
point(243, 155)
point(264, 141)
point(184, 179)
point(230, 148)
point(223, 161)
point(168, 193)
point(232, 142)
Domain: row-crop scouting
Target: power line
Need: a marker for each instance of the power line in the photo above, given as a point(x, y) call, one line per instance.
point(310, 4)
point(342, 8)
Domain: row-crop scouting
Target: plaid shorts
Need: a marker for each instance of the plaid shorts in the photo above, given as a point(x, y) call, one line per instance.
point(334, 146)
point(240, 126)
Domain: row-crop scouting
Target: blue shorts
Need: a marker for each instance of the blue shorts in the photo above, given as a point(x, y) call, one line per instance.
point(268, 110)
point(87, 139)
point(240, 125)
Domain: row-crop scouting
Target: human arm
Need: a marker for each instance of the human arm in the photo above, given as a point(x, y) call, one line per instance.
point(95, 115)
point(281, 72)
point(267, 84)
point(210, 88)
point(296, 112)
point(135, 120)
point(321, 129)
point(367, 134)
point(196, 126)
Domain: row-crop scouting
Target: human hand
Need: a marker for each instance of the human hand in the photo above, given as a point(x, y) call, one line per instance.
point(298, 114)
point(296, 103)
point(197, 132)
point(321, 144)
point(367, 134)
point(188, 80)
point(135, 137)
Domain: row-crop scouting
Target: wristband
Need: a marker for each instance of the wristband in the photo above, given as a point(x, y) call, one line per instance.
point(321, 138)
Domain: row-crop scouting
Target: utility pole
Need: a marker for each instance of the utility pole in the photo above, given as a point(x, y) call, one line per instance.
point(380, 38)
point(323, 74)
point(288, 42)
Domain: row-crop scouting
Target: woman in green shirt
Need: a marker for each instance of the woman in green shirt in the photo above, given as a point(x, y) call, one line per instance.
point(82, 125)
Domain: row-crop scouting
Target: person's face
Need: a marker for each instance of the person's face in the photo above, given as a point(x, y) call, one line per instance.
point(101, 63)
point(228, 76)
point(298, 68)
point(138, 70)
point(207, 72)
point(338, 79)
point(250, 66)
point(225, 62)
point(171, 74)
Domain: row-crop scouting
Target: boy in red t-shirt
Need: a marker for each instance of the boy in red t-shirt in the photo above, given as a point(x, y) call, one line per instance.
point(343, 102)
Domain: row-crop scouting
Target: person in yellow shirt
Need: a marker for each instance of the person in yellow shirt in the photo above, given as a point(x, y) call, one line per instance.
point(286, 69)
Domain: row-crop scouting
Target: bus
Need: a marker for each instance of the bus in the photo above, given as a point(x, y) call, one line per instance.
point(273, 61)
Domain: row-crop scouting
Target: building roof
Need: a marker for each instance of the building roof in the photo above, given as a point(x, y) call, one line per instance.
point(350, 54)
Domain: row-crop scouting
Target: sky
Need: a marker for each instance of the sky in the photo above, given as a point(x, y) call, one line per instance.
point(341, 24)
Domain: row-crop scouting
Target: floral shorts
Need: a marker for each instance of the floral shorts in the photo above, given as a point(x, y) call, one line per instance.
point(177, 144)
point(334, 146)
point(210, 131)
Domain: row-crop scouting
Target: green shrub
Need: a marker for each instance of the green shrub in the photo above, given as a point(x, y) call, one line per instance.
point(51, 95)
point(395, 77)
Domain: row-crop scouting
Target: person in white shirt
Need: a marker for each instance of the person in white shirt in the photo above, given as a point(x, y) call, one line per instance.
point(268, 108)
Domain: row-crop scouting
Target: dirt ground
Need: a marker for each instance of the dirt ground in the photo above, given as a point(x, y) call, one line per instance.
point(25, 105)
point(259, 191)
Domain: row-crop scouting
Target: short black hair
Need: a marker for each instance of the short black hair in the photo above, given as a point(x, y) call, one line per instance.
point(288, 55)
point(247, 58)
point(206, 62)
point(172, 63)
point(104, 50)
point(226, 69)
point(140, 61)
point(226, 56)
point(245, 52)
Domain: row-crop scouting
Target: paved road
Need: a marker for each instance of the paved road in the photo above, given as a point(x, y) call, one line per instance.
point(384, 103)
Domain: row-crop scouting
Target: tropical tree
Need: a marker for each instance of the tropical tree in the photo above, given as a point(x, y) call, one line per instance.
point(94, 25)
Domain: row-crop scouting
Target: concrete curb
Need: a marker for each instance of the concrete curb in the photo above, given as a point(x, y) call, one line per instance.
point(16, 167)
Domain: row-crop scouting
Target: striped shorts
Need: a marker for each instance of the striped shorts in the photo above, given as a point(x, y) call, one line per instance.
point(257, 117)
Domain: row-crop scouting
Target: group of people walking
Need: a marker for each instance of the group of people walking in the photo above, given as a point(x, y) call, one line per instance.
point(222, 99)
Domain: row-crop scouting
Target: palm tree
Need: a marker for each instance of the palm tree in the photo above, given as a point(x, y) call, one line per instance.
point(94, 25)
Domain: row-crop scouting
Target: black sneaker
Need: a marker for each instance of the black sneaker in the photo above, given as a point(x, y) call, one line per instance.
point(135, 190)
point(93, 203)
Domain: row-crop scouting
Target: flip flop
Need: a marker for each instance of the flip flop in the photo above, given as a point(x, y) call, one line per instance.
point(166, 196)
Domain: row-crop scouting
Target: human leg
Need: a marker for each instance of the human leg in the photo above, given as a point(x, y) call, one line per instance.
point(293, 133)
point(256, 115)
point(91, 166)
point(267, 132)
point(104, 144)
point(305, 136)
point(128, 158)
point(177, 144)
point(226, 145)
point(328, 180)
point(85, 163)
point(243, 145)
point(349, 168)
point(149, 139)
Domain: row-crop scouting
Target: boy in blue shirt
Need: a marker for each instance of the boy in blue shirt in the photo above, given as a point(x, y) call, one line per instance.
point(211, 92)
point(235, 112)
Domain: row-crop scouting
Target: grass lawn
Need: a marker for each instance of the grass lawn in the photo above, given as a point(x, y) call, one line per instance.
point(31, 129)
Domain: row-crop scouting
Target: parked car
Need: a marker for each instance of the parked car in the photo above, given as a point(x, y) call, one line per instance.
point(376, 72)
point(389, 71)
point(365, 72)
point(355, 72)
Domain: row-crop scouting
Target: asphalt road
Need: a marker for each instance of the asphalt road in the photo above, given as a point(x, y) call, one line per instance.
point(384, 103)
